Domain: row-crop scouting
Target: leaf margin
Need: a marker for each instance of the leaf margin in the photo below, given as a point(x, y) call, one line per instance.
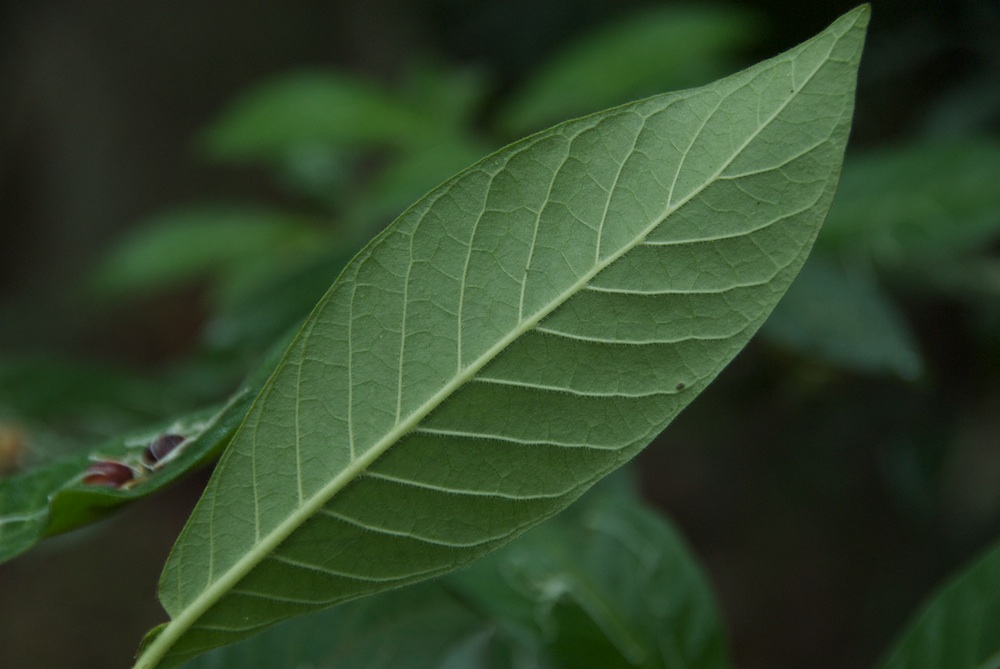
point(243, 566)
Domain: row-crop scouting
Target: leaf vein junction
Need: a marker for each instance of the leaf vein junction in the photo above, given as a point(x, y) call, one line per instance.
point(462, 491)
point(351, 576)
point(513, 440)
point(571, 391)
point(408, 535)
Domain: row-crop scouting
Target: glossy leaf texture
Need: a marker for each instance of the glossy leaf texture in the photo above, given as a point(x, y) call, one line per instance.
point(606, 584)
point(523, 330)
point(959, 628)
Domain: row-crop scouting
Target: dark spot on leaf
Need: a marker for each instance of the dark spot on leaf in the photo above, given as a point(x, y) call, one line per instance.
point(160, 447)
point(681, 386)
point(108, 473)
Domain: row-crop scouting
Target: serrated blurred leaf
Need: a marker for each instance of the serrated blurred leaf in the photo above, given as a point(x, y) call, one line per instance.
point(52, 499)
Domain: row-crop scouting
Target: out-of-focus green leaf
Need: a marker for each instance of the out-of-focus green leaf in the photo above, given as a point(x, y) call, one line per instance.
point(251, 319)
point(974, 278)
point(606, 585)
point(307, 111)
point(317, 128)
point(968, 109)
point(24, 503)
point(412, 174)
point(52, 498)
point(81, 400)
point(959, 628)
point(421, 627)
point(320, 175)
point(837, 312)
point(237, 245)
point(658, 49)
point(448, 95)
point(918, 203)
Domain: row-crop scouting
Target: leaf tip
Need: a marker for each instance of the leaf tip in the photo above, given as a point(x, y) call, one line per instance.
point(861, 15)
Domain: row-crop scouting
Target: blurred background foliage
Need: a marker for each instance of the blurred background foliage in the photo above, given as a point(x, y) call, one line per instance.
point(179, 187)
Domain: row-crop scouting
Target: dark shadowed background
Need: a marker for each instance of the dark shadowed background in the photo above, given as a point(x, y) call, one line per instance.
point(824, 502)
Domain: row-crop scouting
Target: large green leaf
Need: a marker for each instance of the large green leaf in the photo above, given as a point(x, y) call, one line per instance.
point(960, 627)
point(524, 329)
point(606, 584)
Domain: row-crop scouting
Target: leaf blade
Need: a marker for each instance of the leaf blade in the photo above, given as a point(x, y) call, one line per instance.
point(51, 498)
point(957, 627)
point(458, 282)
point(534, 600)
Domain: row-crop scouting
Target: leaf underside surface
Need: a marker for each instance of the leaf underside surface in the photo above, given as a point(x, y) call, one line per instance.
point(606, 585)
point(521, 331)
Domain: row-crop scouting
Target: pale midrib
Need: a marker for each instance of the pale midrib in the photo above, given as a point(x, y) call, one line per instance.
point(212, 594)
point(24, 517)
